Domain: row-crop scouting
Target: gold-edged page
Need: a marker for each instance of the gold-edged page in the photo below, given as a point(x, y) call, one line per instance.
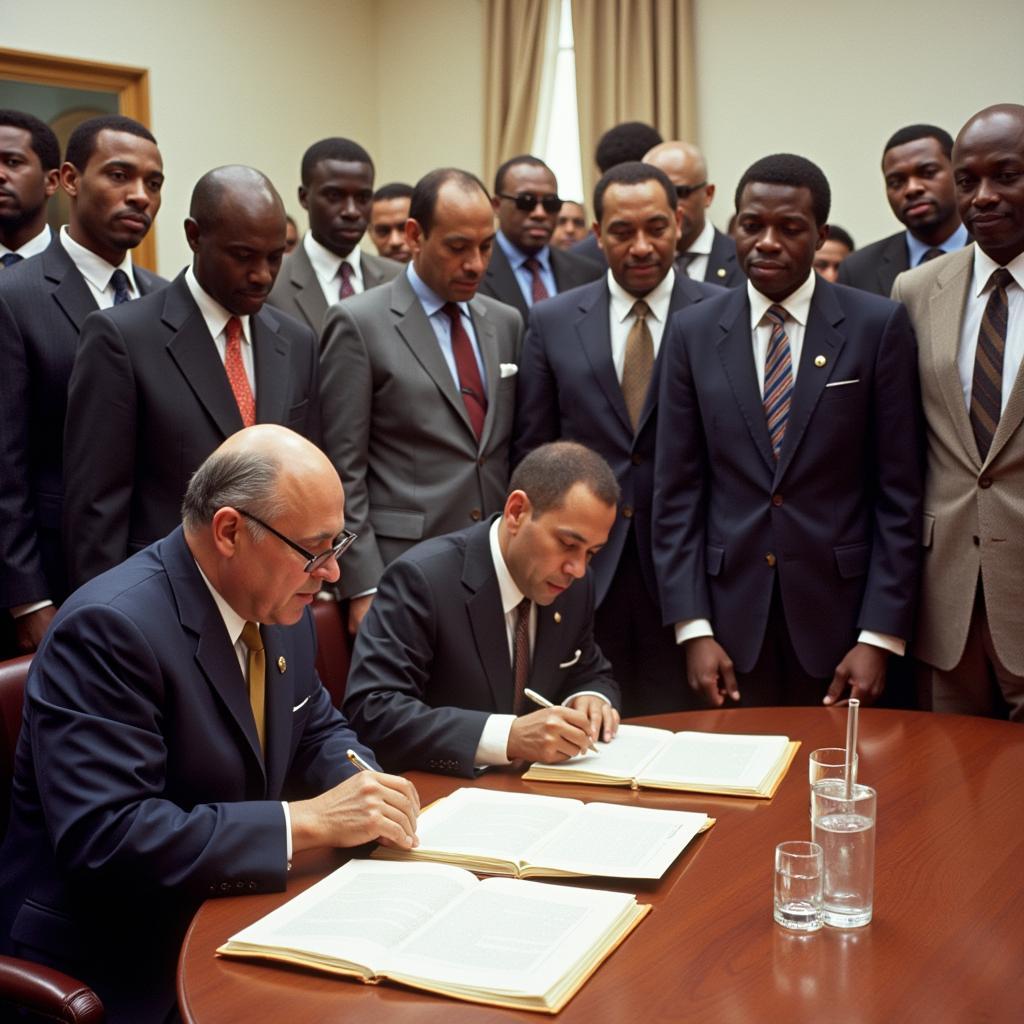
point(619, 761)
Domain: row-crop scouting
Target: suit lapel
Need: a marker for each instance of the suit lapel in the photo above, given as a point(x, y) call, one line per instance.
point(309, 296)
point(487, 339)
point(895, 259)
point(593, 328)
point(503, 281)
point(270, 358)
point(71, 293)
point(279, 701)
point(547, 651)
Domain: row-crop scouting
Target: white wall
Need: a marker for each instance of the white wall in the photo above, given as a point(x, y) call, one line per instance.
point(832, 81)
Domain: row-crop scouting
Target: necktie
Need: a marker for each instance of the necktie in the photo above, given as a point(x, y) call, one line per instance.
point(119, 282)
point(345, 273)
point(638, 362)
point(930, 254)
point(987, 383)
point(470, 384)
point(10, 258)
point(257, 679)
point(235, 369)
point(683, 260)
point(539, 292)
point(521, 654)
point(778, 379)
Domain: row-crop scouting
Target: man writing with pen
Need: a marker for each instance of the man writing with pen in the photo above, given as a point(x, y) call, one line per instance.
point(465, 624)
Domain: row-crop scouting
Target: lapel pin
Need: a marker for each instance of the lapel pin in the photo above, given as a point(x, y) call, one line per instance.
point(282, 665)
point(721, 271)
point(558, 616)
point(820, 360)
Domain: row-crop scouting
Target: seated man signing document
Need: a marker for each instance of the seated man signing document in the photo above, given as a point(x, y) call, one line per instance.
point(463, 625)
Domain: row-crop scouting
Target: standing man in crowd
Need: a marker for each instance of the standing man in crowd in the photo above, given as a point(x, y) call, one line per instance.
point(29, 176)
point(570, 226)
point(112, 174)
point(968, 310)
point(919, 186)
point(388, 214)
point(836, 248)
point(418, 385)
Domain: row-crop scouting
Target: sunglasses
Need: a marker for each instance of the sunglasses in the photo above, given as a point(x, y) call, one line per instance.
point(526, 201)
point(685, 191)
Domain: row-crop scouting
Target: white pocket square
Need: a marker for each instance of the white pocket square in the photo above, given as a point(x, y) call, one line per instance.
point(572, 661)
point(840, 383)
point(300, 705)
point(507, 370)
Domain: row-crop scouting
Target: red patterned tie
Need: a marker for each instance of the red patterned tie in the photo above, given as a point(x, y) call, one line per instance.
point(470, 384)
point(235, 369)
point(538, 291)
point(345, 273)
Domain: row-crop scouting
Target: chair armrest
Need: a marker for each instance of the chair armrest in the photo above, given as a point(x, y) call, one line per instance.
point(48, 992)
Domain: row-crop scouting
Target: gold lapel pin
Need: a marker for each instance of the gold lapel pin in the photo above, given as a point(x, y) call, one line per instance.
point(282, 665)
point(558, 616)
point(721, 271)
point(820, 360)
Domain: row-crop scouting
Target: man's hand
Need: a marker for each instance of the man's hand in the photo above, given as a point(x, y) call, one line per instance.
point(30, 629)
point(863, 669)
point(548, 735)
point(367, 806)
point(709, 671)
point(357, 608)
point(603, 718)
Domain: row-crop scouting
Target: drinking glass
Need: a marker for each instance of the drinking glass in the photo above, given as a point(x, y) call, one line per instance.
point(798, 886)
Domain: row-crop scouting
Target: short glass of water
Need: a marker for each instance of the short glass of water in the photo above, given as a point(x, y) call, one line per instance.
point(844, 827)
point(798, 886)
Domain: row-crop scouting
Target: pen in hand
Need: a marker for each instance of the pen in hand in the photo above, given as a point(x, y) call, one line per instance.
point(360, 764)
point(545, 703)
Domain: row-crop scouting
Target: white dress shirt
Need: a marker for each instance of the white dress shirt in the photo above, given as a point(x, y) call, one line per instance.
point(697, 268)
point(97, 271)
point(620, 310)
point(33, 247)
point(216, 318)
point(327, 265)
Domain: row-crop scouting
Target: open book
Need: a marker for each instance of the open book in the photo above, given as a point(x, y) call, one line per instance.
point(535, 836)
point(703, 762)
point(502, 941)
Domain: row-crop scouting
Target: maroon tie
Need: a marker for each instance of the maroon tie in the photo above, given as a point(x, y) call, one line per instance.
point(539, 292)
point(521, 656)
point(470, 385)
point(345, 273)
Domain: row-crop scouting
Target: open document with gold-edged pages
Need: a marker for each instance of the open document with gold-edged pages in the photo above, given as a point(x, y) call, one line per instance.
point(728, 764)
point(441, 929)
point(531, 836)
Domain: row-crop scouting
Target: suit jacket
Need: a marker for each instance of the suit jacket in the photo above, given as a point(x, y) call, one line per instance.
point(972, 507)
point(297, 291)
point(723, 267)
point(157, 795)
point(148, 401)
point(588, 249)
point(396, 428)
point(43, 304)
point(568, 389)
point(569, 271)
point(836, 521)
point(874, 268)
point(431, 660)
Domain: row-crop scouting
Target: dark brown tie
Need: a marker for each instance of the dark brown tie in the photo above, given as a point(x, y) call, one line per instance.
point(521, 655)
point(538, 291)
point(470, 384)
point(930, 254)
point(987, 383)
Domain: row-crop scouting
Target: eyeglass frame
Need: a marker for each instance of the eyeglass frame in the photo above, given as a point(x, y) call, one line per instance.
point(685, 191)
point(527, 201)
point(313, 561)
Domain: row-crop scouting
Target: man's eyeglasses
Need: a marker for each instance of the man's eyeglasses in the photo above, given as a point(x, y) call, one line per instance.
point(341, 544)
point(526, 201)
point(685, 191)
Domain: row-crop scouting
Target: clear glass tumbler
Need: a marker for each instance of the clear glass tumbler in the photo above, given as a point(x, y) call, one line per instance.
point(798, 886)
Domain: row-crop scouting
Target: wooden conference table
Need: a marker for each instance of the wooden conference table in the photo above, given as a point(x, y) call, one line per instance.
point(946, 942)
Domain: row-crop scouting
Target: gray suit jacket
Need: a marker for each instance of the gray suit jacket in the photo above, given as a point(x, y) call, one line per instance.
point(298, 293)
point(972, 509)
point(396, 429)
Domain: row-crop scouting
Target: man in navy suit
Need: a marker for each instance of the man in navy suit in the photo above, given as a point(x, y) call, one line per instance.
point(572, 376)
point(464, 623)
point(177, 743)
point(113, 174)
point(787, 507)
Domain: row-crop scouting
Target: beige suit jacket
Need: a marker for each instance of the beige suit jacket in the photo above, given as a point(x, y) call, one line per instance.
point(973, 510)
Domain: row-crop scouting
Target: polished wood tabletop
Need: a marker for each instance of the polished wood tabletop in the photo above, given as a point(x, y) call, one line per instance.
point(946, 942)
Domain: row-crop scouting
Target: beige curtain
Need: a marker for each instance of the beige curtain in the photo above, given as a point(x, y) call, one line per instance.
point(515, 39)
point(634, 62)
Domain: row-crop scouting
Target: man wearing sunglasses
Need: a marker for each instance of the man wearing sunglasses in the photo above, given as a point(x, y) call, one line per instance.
point(187, 745)
point(525, 268)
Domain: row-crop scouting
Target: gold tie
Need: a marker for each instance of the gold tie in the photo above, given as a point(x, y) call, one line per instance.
point(638, 363)
point(257, 678)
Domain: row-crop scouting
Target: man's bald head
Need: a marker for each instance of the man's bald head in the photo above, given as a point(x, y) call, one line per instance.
point(237, 228)
point(988, 169)
point(686, 168)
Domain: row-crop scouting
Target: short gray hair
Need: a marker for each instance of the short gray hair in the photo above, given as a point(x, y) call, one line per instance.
point(239, 480)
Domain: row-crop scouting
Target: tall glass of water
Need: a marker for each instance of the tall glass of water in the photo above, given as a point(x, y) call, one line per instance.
point(844, 827)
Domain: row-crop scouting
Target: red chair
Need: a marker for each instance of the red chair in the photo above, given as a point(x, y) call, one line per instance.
point(41, 990)
point(334, 646)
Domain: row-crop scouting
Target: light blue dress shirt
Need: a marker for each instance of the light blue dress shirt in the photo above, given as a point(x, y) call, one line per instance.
point(916, 248)
point(524, 276)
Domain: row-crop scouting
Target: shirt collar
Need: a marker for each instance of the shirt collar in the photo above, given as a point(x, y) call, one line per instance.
point(95, 269)
point(429, 299)
point(511, 595)
point(658, 299)
point(33, 247)
point(797, 304)
point(517, 257)
point(702, 243)
point(916, 248)
point(326, 263)
point(214, 314)
point(233, 622)
point(984, 265)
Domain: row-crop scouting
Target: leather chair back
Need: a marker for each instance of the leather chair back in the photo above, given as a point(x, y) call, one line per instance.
point(13, 674)
point(334, 646)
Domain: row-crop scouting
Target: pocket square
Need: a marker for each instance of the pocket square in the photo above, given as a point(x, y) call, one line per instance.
point(300, 705)
point(507, 370)
point(840, 383)
point(572, 661)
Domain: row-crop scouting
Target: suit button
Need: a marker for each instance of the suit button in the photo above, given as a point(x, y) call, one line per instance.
point(635, 459)
point(475, 515)
point(627, 511)
point(977, 540)
point(225, 886)
point(770, 559)
point(777, 500)
point(252, 885)
point(985, 483)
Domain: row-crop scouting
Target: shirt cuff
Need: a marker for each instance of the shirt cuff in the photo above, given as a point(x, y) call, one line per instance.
point(691, 629)
point(287, 832)
point(363, 593)
point(892, 644)
point(27, 609)
point(493, 746)
point(585, 693)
